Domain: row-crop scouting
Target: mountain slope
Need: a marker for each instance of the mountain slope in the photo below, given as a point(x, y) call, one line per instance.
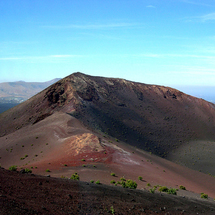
point(154, 118)
point(95, 126)
point(20, 90)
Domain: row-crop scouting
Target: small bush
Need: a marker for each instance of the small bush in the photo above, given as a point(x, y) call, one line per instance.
point(148, 185)
point(163, 189)
point(75, 176)
point(152, 190)
point(84, 165)
point(97, 182)
point(122, 179)
point(112, 210)
point(172, 191)
point(131, 184)
point(92, 181)
point(48, 170)
point(204, 196)
point(140, 178)
point(113, 174)
point(65, 164)
point(112, 182)
point(13, 168)
point(182, 187)
point(28, 170)
point(82, 159)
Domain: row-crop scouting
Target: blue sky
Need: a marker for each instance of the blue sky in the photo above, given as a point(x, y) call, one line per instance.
point(168, 42)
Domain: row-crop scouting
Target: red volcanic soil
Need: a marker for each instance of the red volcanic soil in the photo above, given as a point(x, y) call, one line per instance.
point(31, 194)
point(95, 127)
point(62, 145)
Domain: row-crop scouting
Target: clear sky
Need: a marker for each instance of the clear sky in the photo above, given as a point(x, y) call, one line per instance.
point(165, 42)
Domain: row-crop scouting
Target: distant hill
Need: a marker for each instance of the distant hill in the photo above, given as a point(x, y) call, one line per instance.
point(17, 92)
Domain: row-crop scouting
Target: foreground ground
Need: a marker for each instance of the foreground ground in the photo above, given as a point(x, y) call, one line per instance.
point(32, 194)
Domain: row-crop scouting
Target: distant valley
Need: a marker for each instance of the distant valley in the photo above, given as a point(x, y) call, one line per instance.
point(13, 93)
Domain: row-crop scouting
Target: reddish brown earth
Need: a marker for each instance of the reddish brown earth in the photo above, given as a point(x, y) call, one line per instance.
point(30, 194)
point(113, 125)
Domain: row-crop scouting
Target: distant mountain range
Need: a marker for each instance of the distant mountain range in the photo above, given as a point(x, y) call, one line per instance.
point(17, 92)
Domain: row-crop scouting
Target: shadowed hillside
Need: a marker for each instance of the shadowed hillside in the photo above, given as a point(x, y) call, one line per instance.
point(154, 118)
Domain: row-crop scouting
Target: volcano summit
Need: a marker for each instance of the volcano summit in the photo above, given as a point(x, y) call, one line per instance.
point(96, 126)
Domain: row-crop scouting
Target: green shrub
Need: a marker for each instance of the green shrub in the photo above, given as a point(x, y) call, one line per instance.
point(83, 159)
point(204, 196)
point(112, 182)
point(140, 178)
point(112, 210)
point(97, 182)
point(48, 170)
point(148, 185)
point(113, 174)
point(122, 179)
point(84, 165)
point(75, 176)
point(152, 190)
point(28, 170)
point(131, 184)
point(65, 164)
point(163, 189)
point(13, 168)
point(172, 191)
point(92, 181)
point(182, 187)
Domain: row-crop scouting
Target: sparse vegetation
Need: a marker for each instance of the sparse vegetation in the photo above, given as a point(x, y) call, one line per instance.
point(112, 182)
point(65, 164)
point(140, 178)
point(13, 168)
point(28, 170)
point(75, 176)
point(84, 165)
point(48, 170)
point(148, 185)
point(163, 189)
point(92, 181)
point(129, 184)
point(172, 191)
point(97, 182)
point(204, 196)
point(152, 190)
point(113, 174)
point(112, 210)
point(83, 159)
point(182, 187)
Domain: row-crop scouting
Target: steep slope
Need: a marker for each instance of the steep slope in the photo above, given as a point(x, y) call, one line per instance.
point(158, 119)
